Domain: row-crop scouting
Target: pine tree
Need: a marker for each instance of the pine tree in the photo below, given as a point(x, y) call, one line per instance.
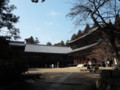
point(8, 19)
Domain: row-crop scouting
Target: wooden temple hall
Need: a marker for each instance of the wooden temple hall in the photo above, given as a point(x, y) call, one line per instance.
point(87, 49)
point(84, 48)
point(53, 56)
point(45, 56)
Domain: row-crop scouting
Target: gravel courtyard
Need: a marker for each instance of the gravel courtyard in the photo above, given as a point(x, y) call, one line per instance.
point(70, 78)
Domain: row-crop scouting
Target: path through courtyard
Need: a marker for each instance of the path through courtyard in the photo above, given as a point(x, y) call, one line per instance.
point(61, 79)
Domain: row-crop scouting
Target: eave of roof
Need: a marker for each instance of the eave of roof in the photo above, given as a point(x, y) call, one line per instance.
point(91, 31)
point(16, 44)
point(47, 49)
point(83, 48)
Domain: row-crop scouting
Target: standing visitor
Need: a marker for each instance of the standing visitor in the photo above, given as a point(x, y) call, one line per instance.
point(108, 63)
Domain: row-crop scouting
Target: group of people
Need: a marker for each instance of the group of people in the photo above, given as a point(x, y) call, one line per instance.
point(108, 63)
point(93, 69)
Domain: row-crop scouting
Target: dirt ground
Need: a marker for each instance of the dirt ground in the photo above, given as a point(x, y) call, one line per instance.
point(70, 78)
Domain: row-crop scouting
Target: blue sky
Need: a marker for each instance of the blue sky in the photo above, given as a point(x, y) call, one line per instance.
point(47, 21)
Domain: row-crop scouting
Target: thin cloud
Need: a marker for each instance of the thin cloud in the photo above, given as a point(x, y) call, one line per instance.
point(38, 29)
point(48, 38)
point(53, 13)
point(49, 23)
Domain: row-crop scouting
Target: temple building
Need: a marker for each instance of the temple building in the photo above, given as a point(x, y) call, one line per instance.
point(85, 47)
point(37, 55)
point(89, 47)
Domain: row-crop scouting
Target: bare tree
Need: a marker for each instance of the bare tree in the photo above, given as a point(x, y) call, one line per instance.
point(99, 11)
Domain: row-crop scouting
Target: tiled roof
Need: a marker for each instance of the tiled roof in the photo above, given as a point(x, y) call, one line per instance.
point(83, 48)
point(47, 49)
point(50, 49)
point(90, 31)
point(17, 43)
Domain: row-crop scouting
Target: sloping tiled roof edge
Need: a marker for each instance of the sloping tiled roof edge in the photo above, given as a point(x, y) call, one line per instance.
point(83, 35)
point(85, 47)
point(47, 49)
point(17, 44)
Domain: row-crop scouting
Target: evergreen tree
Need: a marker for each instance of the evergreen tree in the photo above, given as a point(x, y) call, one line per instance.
point(87, 28)
point(49, 44)
point(62, 43)
point(8, 19)
point(74, 36)
point(36, 41)
point(67, 43)
point(31, 40)
point(80, 33)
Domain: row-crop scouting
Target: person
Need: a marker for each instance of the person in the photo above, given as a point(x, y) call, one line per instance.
point(52, 65)
point(88, 67)
point(89, 63)
point(103, 64)
point(96, 68)
point(111, 63)
point(108, 63)
point(115, 61)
